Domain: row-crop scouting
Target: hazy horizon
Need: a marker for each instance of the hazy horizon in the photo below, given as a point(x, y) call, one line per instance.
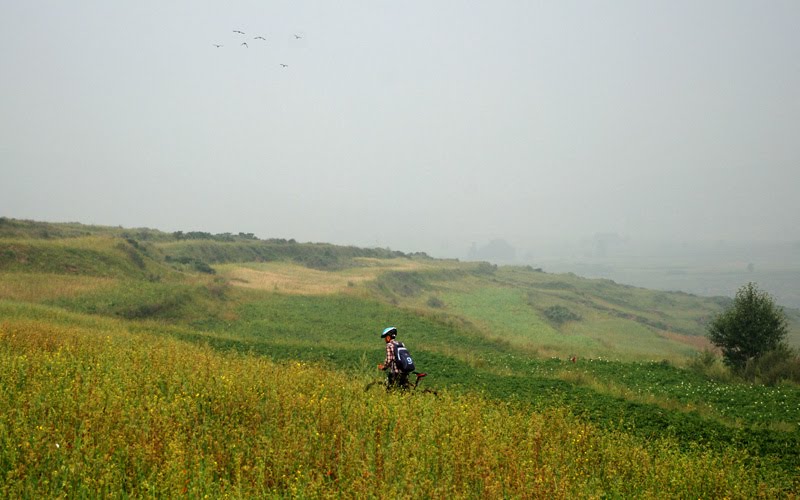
point(418, 126)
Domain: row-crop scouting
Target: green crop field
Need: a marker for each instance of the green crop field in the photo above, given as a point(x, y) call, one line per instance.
point(139, 363)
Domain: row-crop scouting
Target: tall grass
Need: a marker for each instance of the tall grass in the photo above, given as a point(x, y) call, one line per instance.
point(92, 255)
point(101, 396)
point(37, 287)
point(103, 412)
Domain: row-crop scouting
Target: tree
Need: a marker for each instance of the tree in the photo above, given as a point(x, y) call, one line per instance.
point(751, 327)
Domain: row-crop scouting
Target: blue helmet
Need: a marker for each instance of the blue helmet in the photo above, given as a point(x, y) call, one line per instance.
point(389, 332)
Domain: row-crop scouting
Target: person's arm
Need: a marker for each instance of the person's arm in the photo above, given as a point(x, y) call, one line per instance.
point(389, 357)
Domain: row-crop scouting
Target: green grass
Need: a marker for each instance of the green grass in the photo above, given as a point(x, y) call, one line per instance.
point(145, 342)
point(338, 331)
point(144, 300)
point(504, 313)
point(39, 287)
point(100, 256)
point(615, 321)
point(313, 255)
point(101, 411)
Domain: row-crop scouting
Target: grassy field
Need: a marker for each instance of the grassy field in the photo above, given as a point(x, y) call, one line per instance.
point(131, 371)
point(95, 409)
point(298, 279)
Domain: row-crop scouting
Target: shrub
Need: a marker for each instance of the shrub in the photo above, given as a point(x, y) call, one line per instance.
point(560, 314)
point(202, 267)
point(702, 361)
point(773, 367)
point(435, 302)
point(751, 327)
point(709, 364)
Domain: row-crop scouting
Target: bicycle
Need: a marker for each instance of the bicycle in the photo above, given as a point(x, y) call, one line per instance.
point(407, 386)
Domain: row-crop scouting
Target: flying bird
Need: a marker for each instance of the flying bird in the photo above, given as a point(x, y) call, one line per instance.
point(284, 65)
point(216, 45)
point(260, 38)
point(298, 37)
point(240, 32)
point(245, 45)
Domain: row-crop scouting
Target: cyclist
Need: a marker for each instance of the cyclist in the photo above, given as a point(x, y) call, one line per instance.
point(397, 378)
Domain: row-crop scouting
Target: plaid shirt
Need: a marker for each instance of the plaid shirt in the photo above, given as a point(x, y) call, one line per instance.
point(390, 363)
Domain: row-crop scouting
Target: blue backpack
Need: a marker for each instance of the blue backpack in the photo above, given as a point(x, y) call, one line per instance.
point(403, 358)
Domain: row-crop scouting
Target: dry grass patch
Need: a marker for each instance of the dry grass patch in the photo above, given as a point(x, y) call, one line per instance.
point(699, 343)
point(28, 287)
point(296, 279)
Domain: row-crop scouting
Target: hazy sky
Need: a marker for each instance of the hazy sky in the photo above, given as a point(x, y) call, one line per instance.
point(417, 125)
